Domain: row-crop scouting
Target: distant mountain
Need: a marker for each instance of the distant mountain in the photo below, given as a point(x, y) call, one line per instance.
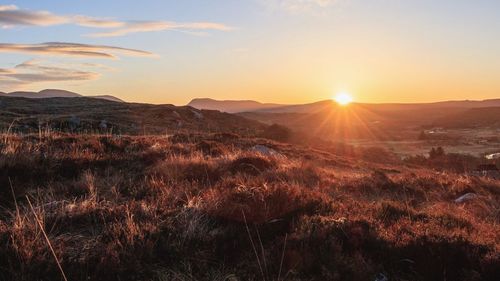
point(48, 93)
point(85, 114)
point(240, 106)
point(55, 93)
point(231, 106)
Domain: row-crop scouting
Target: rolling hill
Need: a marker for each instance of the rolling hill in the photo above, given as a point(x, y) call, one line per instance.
point(471, 118)
point(239, 106)
point(358, 120)
point(90, 114)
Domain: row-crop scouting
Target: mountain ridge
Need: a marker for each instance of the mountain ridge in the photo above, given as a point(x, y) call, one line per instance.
point(55, 93)
point(230, 106)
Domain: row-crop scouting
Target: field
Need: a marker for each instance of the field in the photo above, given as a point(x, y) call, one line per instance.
point(228, 207)
point(476, 142)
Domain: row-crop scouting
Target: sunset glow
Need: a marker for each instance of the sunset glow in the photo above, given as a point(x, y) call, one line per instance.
point(276, 51)
point(343, 99)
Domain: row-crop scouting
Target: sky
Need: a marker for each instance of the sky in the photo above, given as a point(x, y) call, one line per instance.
point(282, 51)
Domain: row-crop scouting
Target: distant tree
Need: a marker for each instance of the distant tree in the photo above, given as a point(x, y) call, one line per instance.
point(440, 152)
point(436, 153)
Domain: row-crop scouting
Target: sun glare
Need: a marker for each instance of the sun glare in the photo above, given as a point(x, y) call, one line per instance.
point(343, 99)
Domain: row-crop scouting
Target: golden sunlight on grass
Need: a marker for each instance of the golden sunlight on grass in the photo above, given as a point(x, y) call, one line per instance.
point(343, 99)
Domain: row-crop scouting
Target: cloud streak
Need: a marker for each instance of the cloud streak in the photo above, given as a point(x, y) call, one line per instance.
point(296, 6)
point(96, 22)
point(149, 26)
point(33, 71)
point(11, 16)
point(73, 50)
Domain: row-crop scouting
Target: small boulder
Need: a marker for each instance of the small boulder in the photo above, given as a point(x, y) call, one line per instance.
point(466, 197)
point(264, 150)
point(381, 277)
point(103, 125)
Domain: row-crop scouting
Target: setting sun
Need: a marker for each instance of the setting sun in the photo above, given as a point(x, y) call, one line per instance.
point(343, 99)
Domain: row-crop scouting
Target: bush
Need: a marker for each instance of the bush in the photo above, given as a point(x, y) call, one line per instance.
point(277, 132)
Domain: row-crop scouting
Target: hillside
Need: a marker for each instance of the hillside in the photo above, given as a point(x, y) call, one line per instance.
point(354, 121)
point(377, 121)
point(254, 106)
point(210, 207)
point(97, 115)
point(326, 119)
point(471, 118)
point(396, 109)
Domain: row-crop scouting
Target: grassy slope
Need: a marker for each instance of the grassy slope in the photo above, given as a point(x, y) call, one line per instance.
point(152, 208)
point(87, 114)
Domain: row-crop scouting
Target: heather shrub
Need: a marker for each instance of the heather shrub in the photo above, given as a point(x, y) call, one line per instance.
point(252, 165)
point(261, 203)
point(277, 132)
point(207, 207)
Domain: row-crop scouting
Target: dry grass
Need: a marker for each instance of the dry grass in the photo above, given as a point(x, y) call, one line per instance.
point(206, 207)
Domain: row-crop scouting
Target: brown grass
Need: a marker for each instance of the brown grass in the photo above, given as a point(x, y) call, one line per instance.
point(158, 208)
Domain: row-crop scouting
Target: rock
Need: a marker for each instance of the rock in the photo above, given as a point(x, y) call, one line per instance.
point(381, 277)
point(493, 156)
point(466, 197)
point(264, 150)
point(103, 125)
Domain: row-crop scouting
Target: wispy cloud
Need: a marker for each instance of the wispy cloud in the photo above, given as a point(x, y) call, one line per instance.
point(11, 16)
point(295, 6)
point(148, 26)
point(72, 49)
point(33, 71)
point(5, 71)
point(97, 22)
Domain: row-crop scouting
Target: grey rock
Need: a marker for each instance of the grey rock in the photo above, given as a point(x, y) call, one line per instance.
point(264, 150)
point(466, 197)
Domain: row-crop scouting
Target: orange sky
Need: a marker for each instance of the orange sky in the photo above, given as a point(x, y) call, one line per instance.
point(283, 51)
